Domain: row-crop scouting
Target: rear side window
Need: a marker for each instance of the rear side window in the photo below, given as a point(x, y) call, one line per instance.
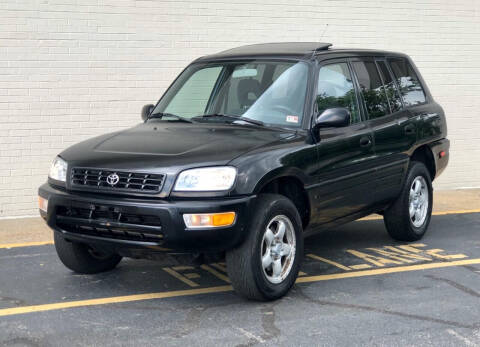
point(390, 87)
point(407, 80)
point(372, 89)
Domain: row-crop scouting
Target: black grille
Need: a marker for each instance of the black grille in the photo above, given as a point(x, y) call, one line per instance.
point(127, 181)
point(109, 222)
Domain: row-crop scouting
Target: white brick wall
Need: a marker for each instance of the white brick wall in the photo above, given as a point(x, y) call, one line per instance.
point(72, 69)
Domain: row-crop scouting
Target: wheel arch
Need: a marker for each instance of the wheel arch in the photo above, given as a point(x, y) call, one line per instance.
point(291, 185)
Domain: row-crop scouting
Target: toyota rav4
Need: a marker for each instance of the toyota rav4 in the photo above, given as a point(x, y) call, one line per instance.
point(248, 152)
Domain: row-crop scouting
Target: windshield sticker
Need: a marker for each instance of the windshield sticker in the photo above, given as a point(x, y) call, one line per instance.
point(292, 119)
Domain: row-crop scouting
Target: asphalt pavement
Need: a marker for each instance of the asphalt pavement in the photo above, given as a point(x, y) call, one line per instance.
point(357, 287)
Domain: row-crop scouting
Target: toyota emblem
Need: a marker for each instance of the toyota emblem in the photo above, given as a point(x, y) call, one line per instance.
point(113, 179)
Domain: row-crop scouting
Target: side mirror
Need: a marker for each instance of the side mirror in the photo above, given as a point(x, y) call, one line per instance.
point(333, 118)
point(146, 110)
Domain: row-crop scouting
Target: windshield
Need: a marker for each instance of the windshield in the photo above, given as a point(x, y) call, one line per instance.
point(272, 92)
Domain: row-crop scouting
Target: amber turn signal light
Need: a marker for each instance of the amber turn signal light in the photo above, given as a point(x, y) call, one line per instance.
point(43, 204)
point(209, 220)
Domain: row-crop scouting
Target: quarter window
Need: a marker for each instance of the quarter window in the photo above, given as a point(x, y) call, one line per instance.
point(390, 87)
point(335, 89)
point(371, 86)
point(407, 80)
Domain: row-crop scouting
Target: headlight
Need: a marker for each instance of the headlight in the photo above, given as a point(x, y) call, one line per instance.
point(58, 170)
point(206, 179)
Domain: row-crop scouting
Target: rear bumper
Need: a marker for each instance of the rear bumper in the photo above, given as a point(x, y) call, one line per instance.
point(441, 154)
point(168, 232)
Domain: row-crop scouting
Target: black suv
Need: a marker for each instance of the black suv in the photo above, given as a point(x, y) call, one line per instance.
point(249, 151)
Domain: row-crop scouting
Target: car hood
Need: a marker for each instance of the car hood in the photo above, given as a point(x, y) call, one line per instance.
point(169, 146)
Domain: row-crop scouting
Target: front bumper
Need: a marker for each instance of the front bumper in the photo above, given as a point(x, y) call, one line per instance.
point(168, 232)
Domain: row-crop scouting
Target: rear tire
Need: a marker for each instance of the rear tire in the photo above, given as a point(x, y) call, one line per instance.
point(83, 259)
point(407, 219)
point(265, 266)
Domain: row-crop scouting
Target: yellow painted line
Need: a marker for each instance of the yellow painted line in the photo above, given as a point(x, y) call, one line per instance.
point(437, 213)
point(388, 270)
point(441, 213)
point(218, 289)
point(116, 299)
point(26, 244)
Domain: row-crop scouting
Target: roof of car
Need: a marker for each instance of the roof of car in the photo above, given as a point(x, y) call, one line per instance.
point(297, 50)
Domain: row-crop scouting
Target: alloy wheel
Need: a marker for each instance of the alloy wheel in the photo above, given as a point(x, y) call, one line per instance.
point(278, 249)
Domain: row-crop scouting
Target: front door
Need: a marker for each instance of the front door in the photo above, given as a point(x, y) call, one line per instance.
point(342, 177)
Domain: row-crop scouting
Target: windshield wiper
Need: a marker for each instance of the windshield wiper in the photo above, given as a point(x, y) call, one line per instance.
point(160, 115)
point(220, 115)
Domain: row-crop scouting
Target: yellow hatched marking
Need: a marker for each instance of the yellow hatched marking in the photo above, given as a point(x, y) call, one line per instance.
point(180, 276)
point(391, 255)
point(219, 266)
point(388, 270)
point(215, 273)
point(182, 267)
point(192, 275)
point(331, 262)
point(407, 254)
point(435, 253)
point(360, 266)
point(373, 259)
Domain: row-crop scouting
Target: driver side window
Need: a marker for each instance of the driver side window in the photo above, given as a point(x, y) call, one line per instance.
point(335, 89)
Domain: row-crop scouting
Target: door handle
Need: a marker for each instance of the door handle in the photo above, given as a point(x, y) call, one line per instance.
point(365, 141)
point(409, 129)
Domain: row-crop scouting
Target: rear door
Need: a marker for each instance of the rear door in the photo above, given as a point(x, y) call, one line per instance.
point(393, 128)
point(344, 167)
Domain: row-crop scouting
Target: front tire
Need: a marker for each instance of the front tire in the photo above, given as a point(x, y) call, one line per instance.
point(265, 266)
point(407, 219)
point(82, 258)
